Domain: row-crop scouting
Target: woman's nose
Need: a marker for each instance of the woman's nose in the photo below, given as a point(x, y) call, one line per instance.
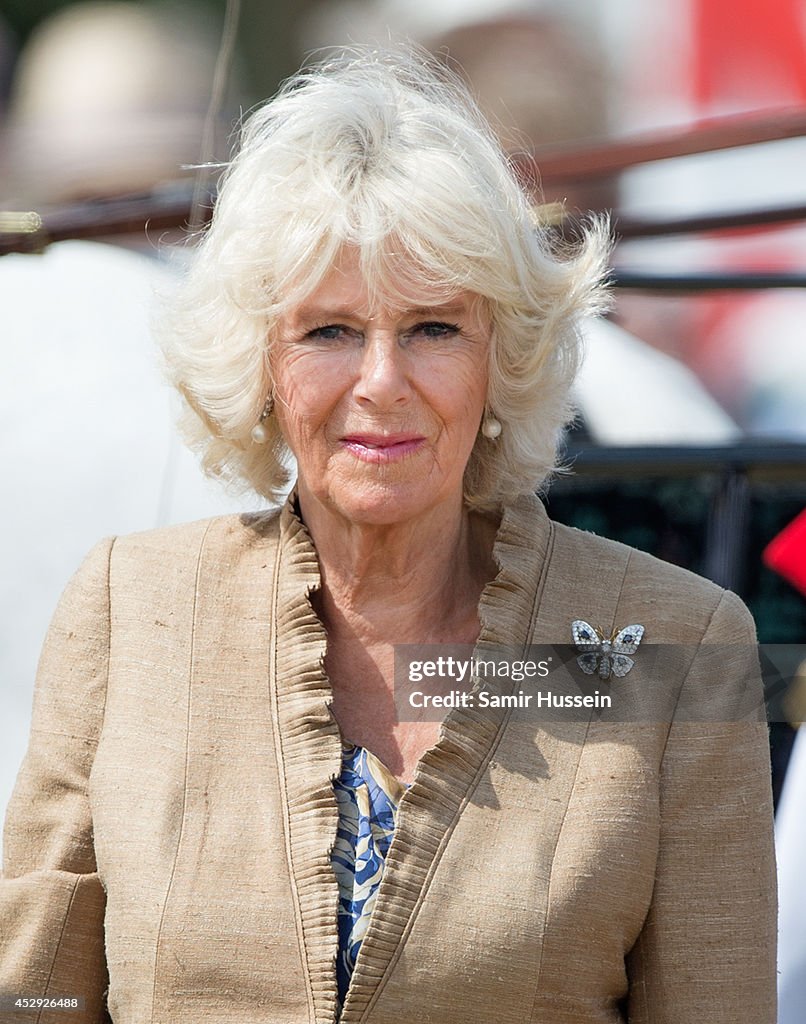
point(382, 380)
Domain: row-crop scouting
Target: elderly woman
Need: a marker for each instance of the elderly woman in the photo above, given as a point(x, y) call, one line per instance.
point(223, 814)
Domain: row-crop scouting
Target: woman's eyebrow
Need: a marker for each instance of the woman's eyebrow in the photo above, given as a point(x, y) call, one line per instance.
point(307, 315)
point(310, 315)
point(448, 309)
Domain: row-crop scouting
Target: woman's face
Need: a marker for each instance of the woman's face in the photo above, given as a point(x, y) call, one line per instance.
point(381, 407)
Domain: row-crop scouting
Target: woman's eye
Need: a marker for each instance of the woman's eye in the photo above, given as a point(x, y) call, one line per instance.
point(430, 329)
point(328, 332)
point(436, 329)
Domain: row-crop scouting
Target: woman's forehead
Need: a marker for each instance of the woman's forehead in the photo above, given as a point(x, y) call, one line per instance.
point(346, 290)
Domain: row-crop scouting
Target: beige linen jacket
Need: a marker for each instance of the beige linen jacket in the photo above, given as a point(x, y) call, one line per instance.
point(167, 846)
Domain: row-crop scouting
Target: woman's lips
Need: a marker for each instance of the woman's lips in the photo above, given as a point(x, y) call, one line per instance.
point(379, 449)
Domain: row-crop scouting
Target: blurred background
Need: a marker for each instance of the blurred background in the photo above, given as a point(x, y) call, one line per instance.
point(685, 118)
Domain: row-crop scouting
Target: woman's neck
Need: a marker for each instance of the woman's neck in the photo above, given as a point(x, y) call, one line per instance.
point(416, 581)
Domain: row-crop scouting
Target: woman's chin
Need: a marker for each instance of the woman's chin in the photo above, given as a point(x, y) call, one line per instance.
point(380, 503)
point(383, 506)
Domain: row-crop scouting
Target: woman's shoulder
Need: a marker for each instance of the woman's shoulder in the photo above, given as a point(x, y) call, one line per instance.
point(682, 605)
point(584, 569)
point(179, 545)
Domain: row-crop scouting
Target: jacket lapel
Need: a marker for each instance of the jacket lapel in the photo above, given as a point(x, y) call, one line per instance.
point(308, 746)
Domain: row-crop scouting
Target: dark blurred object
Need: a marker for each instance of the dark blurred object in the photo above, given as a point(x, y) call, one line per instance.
point(711, 510)
point(23, 16)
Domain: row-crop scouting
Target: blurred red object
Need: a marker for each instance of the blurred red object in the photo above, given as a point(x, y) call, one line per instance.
point(749, 53)
point(786, 553)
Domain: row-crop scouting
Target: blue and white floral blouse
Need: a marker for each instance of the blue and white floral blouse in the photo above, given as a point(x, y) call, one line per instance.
point(368, 796)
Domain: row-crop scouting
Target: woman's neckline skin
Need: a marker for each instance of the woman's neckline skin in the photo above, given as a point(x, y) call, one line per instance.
point(418, 581)
point(426, 593)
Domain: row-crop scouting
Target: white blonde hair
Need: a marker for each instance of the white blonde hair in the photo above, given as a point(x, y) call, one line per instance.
point(384, 151)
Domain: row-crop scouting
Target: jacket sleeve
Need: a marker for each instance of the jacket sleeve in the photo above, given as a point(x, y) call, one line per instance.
point(707, 949)
point(51, 899)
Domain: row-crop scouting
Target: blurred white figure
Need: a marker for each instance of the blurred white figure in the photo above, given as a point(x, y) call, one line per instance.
point(764, 339)
point(109, 98)
point(88, 444)
point(632, 394)
point(790, 841)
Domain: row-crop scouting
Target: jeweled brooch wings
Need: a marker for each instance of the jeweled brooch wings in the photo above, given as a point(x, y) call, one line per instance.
point(605, 655)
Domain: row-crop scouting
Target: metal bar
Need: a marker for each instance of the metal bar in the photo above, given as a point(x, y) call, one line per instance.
point(627, 228)
point(704, 282)
point(556, 164)
point(104, 218)
point(779, 460)
point(118, 216)
point(727, 529)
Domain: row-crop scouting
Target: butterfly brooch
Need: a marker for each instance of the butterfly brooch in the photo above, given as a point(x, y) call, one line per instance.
point(605, 656)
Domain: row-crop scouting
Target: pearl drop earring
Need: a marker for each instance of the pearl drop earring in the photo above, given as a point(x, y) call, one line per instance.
point(491, 427)
point(260, 432)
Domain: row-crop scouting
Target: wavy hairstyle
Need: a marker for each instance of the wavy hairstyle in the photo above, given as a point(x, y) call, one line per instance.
point(387, 152)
